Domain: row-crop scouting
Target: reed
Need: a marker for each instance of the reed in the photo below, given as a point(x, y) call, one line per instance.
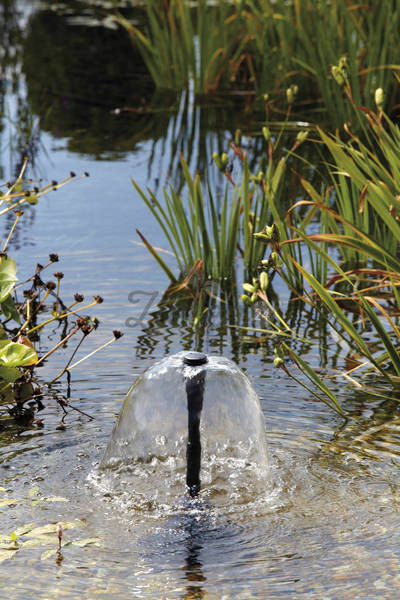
point(264, 45)
point(185, 46)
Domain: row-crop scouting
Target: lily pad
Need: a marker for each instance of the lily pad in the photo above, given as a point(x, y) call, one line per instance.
point(52, 528)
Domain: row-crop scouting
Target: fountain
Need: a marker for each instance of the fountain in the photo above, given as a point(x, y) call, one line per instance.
point(189, 414)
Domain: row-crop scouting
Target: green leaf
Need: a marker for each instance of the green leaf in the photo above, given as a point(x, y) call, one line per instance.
point(9, 309)
point(13, 537)
point(8, 270)
point(13, 354)
point(9, 374)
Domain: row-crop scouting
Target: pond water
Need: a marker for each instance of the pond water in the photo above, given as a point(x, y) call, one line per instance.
point(327, 526)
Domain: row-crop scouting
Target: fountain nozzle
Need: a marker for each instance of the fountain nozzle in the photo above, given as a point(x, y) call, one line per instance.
point(195, 359)
point(194, 391)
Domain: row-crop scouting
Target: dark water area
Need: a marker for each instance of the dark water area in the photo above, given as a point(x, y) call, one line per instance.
point(328, 527)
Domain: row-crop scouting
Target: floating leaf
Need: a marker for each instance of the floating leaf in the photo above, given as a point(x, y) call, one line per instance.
point(52, 528)
point(8, 270)
point(8, 501)
point(42, 540)
point(9, 374)
point(86, 542)
point(24, 529)
point(6, 554)
point(13, 354)
point(56, 499)
point(13, 537)
point(9, 310)
point(33, 491)
point(48, 553)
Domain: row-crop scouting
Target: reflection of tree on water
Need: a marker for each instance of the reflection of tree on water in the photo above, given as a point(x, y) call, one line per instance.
point(75, 75)
point(88, 84)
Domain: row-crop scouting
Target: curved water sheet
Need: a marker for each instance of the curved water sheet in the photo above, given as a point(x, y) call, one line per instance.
point(144, 465)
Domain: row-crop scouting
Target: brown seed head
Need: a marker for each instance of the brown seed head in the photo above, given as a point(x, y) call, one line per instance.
point(86, 329)
point(18, 213)
point(79, 297)
point(53, 257)
point(51, 285)
point(58, 275)
point(98, 299)
point(117, 334)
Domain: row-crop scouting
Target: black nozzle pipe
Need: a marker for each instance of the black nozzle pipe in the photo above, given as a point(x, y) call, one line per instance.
point(194, 391)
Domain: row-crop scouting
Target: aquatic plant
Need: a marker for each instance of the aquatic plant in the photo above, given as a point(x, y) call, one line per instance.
point(20, 324)
point(361, 227)
point(206, 233)
point(180, 48)
point(261, 46)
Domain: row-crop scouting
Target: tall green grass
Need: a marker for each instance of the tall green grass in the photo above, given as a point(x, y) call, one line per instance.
point(197, 45)
point(359, 224)
point(215, 231)
point(333, 50)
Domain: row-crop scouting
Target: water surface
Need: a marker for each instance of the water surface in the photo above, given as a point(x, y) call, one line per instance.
point(327, 527)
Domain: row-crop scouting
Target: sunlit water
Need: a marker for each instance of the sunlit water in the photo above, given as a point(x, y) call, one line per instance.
point(326, 524)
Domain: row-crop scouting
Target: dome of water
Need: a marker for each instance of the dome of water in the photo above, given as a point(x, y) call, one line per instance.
point(148, 456)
